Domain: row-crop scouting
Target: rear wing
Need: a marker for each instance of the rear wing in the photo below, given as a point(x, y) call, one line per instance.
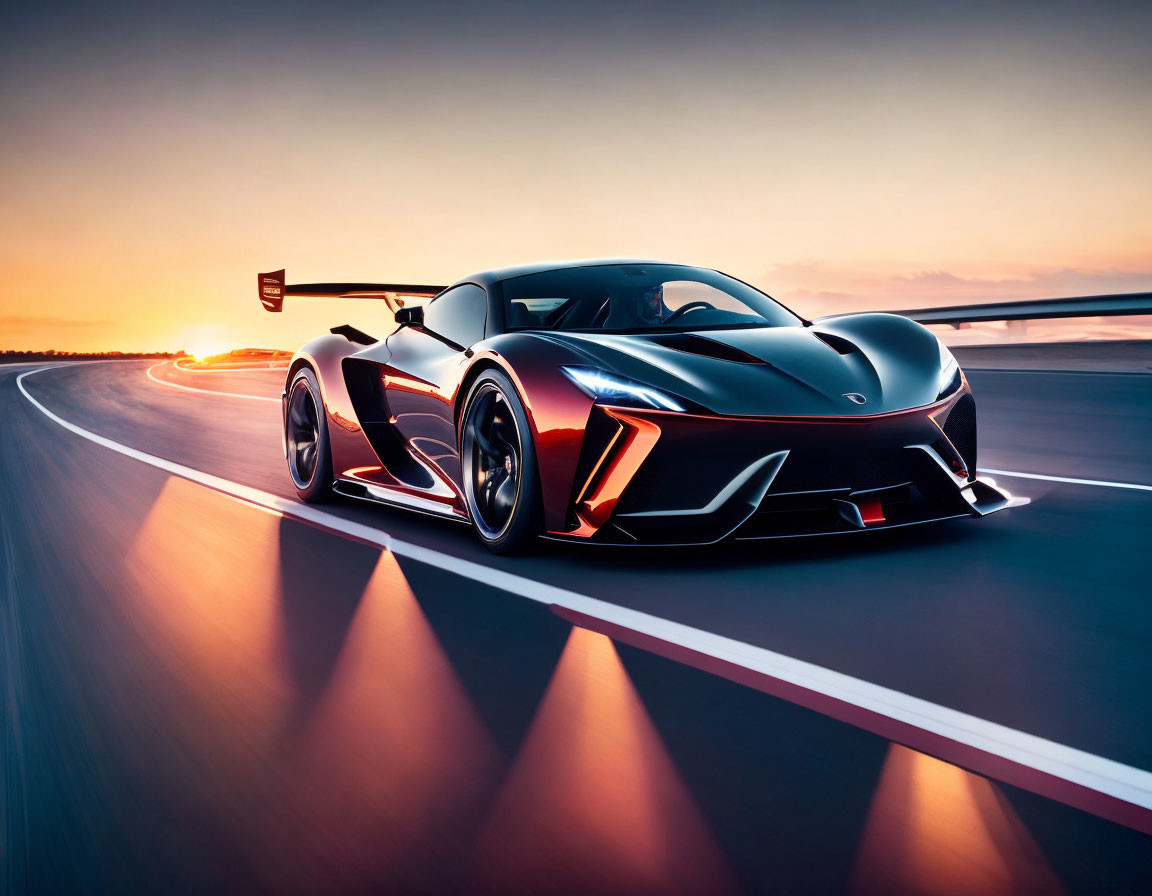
point(273, 289)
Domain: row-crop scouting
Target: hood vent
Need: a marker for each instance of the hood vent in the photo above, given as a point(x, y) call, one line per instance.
point(842, 345)
point(692, 344)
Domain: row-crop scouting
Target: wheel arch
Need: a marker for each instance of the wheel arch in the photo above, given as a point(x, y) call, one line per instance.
point(557, 410)
point(469, 380)
point(298, 364)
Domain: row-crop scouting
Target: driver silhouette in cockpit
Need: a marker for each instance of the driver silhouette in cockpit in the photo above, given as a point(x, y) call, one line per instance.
point(637, 307)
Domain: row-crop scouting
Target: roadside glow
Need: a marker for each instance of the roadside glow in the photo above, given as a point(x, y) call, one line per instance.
point(593, 798)
point(390, 756)
point(936, 828)
point(212, 626)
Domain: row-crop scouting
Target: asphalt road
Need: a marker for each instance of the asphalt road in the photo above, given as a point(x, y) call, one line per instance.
point(204, 695)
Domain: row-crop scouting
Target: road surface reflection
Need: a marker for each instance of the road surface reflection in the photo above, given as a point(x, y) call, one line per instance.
point(593, 799)
point(937, 829)
point(290, 687)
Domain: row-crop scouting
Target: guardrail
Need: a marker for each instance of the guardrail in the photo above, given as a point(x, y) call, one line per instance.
point(1034, 309)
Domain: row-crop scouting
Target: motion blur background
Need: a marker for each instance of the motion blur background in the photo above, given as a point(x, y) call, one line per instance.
point(838, 155)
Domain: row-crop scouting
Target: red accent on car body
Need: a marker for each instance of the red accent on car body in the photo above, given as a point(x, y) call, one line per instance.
point(608, 482)
point(871, 511)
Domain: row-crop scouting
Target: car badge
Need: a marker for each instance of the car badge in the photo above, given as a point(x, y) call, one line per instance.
point(855, 397)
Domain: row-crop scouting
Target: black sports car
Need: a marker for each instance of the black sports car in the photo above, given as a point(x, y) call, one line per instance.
point(629, 402)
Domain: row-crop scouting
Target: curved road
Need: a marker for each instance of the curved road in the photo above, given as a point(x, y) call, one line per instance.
point(205, 693)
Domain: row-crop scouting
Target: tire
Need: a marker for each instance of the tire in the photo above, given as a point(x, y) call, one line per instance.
point(499, 467)
point(306, 438)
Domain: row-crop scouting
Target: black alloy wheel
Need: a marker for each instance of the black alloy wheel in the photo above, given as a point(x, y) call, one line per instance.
point(499, 465)
point(306, 437)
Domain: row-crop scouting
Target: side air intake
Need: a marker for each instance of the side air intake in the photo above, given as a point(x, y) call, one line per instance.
point(960, 428)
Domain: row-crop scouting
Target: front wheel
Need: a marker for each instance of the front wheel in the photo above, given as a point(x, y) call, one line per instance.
point(498, 460)
point(306, 436)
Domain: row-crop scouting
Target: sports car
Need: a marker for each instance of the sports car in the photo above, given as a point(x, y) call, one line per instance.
point(629, 402)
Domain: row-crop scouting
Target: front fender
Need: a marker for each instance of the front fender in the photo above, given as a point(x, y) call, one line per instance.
point(905, 355)
point(557, 411)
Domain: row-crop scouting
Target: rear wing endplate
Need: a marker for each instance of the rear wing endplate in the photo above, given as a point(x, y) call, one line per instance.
point(273, 290)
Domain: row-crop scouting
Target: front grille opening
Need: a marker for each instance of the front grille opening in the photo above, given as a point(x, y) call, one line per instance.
point(797, 514)
point(857, 472)
point(915, 490)
point(804, 513)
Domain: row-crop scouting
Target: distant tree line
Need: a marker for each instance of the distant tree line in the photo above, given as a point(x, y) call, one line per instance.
point(12, 356)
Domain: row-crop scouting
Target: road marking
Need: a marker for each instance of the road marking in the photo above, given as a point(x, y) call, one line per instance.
point(1102, 786)
point(1070, 480)
point(156, 379)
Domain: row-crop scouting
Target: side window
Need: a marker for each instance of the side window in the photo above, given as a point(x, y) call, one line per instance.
point(458, 315)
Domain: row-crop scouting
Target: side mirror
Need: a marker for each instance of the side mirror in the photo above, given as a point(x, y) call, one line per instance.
point(413, 315)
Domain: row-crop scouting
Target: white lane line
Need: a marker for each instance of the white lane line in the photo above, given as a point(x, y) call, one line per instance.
point(156, 379)
point(1070, 480)
point(1105, 776)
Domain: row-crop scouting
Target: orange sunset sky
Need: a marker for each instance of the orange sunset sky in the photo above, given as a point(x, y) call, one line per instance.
point(154, 158)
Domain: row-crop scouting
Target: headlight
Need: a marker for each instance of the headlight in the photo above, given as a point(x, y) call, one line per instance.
point(950, 380)
point(614, 390)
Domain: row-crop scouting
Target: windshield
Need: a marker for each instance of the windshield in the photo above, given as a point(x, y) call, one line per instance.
point(637, 298)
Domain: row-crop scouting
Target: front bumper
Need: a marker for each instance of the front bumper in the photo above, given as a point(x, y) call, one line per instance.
point(655, 477)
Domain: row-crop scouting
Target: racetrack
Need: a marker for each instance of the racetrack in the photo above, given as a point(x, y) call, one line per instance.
point(211, 693)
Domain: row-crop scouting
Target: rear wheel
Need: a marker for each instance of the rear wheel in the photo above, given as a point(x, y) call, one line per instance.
point(498, 460)
point(306, 435)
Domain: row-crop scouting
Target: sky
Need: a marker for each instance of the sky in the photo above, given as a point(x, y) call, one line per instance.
point(840, 156)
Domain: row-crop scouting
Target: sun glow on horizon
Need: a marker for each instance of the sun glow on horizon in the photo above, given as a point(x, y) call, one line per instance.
point(206, 342)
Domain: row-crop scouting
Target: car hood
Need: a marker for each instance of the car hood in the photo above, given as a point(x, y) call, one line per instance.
point(891, 361)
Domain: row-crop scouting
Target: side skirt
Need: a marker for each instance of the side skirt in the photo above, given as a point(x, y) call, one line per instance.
point(400, 500)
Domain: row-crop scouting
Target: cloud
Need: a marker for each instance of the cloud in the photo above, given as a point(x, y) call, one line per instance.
point(1049, 284)
point(817, 289)
point(17, 322)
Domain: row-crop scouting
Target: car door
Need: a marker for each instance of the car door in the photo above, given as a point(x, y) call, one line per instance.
point(424, 366)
